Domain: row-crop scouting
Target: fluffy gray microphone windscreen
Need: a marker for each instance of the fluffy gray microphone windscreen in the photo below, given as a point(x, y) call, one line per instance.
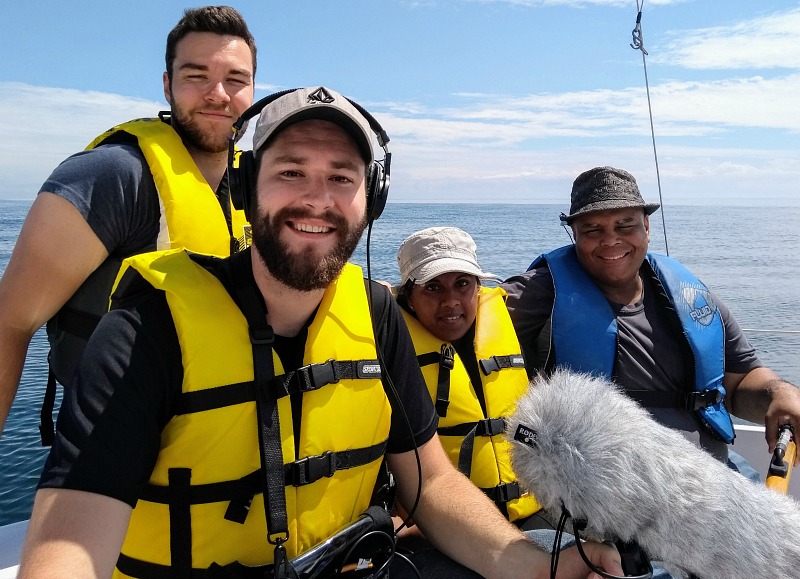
point(579, 442)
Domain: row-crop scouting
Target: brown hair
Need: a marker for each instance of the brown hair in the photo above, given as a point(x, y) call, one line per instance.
point(222, 20)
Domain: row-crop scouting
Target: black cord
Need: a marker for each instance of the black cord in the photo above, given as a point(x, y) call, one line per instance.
point(409, 562)
point(577, 526)
point(383, 535)
point(556, 552)
point(399, 403)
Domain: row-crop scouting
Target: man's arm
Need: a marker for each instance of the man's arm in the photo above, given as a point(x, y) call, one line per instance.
point(753, 391)
point(73, 534)
point(462, 523)
point(55, 252)
point(762, 396)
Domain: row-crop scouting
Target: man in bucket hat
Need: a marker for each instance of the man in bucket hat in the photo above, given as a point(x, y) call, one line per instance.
point(605, 305)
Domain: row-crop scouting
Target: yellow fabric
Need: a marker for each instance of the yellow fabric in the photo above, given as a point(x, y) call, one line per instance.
point(222, 443)
point(191, 215)
point(494, 336)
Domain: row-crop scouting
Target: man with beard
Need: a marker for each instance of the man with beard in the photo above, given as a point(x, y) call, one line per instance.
point(144, 185)
point(277, 372)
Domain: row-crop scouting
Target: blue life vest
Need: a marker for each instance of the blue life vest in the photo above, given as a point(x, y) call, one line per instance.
point(585, 327)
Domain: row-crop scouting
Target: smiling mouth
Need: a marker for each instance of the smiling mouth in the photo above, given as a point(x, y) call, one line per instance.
point(305, 228)
point(613, 257)
point(451, 318)
point(222, 114)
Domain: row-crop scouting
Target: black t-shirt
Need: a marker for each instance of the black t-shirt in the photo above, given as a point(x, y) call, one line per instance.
point(123, 392)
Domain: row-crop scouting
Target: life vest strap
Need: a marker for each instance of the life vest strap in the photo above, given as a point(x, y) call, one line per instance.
point(138, 568)
point(485, 427)
point(503, 493)
point(76, 322)
point(691, 401)
point(428, 358)
point(46, 427)
point(315, 376)
point(497, 363)
point(180, 522)
point(447, 361)
point(312, 468)
point(305, 379)
point(302, 472)
point(469, 430)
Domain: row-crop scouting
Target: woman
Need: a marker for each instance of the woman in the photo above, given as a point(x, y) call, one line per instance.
point(470, 357)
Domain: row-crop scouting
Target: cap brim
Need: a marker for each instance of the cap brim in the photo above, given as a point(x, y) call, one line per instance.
point(326, 113)
point(609, 205)
point(429, 271)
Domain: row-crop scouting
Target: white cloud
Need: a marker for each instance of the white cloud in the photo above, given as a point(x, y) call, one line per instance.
point(498, 147)
point(763, 43)
point(575, 3)
point(43, 125)
point(681, 109)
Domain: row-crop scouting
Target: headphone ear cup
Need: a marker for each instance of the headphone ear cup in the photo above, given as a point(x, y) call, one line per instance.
point(377, 191)
point(242, 181)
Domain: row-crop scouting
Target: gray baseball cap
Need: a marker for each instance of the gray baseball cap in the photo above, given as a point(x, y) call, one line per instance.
point(604, 188)
point(313, 103)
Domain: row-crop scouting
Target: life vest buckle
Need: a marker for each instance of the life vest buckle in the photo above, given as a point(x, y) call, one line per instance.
point(490, 427)
point(507, 492)
point(447, 357)
point(496, 363)
point(316, 376)
point(489, 365)
point(310, 469)
point(262, 336)
point(703, 399)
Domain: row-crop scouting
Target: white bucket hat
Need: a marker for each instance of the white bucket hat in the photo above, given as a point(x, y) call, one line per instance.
point(430, 252)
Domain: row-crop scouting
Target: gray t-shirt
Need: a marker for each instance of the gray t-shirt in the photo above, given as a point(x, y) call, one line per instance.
point(113, 189)
point(111, 186)
point(652, 353)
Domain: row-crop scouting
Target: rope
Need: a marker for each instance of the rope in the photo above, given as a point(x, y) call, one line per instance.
point(638, 44)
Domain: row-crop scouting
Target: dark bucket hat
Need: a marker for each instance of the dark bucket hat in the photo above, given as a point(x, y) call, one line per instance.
point(604, 188)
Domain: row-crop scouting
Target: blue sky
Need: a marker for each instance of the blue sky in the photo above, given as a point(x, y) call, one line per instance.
point(484, 100)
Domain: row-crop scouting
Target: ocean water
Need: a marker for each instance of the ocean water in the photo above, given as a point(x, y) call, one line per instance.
point(749, 256)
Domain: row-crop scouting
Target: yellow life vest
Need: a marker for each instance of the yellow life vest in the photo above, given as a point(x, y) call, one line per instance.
point(191, 215)
point(463, 426)
point(209, 453)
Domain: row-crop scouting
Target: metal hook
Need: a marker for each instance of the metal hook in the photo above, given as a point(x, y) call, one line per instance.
point(636, 33)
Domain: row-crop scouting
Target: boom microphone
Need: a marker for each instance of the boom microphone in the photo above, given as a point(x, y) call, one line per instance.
point(580, 444)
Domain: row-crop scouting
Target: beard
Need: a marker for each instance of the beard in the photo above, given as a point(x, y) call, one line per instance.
point(193, 136)
point(304, 271)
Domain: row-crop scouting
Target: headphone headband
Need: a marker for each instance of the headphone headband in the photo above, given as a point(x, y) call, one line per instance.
point(242, 167)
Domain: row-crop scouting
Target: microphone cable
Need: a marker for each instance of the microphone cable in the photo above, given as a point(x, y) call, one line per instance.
point(630, 553)
point(399, 403)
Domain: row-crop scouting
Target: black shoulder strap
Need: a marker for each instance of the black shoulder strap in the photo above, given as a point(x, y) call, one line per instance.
point(249, 299)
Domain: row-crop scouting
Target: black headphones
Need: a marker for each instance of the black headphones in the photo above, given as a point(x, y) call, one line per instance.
point(242, 168)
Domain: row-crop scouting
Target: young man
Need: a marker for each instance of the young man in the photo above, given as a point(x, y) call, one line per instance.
point(141, 186)
point(176, 425)
point(608, 306)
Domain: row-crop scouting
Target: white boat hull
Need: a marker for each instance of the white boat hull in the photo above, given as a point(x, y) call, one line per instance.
point(11, 538)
